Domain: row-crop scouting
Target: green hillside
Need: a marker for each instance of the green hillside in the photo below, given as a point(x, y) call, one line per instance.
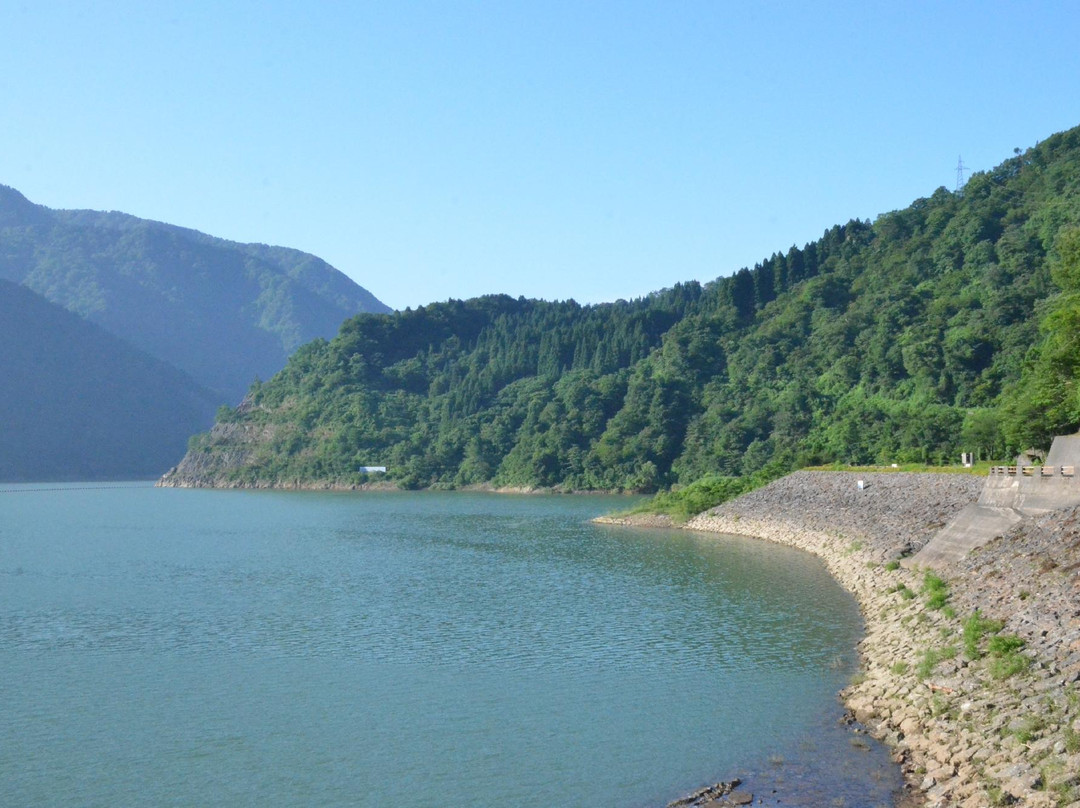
point(220, 311)
point(77, 403)
point(898, 340)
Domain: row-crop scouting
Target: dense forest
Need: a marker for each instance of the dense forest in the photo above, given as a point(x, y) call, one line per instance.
point(220, 311)
point(946, 326)
point(78, 403)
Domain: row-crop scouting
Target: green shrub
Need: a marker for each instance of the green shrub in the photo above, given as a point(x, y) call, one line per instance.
point(931, 657)
point(1072, 741)
point(708, 492)
point(975, 628)
point(1030, 729)
point(1007, 660)
point(1004, 644)
point(1008, 666)
point(936, 591)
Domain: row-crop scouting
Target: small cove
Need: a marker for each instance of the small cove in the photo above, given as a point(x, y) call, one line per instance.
point(173, 646)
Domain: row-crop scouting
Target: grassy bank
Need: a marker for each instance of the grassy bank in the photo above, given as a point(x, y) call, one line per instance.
point(683, 503)
point(980, 469)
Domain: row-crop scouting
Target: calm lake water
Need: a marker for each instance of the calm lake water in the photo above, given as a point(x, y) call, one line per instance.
point(177, 647)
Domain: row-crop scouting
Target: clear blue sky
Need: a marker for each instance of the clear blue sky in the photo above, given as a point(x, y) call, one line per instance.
point(593, 150)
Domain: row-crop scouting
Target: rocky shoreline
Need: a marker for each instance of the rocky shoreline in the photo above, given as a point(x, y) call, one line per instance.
point(978, 712)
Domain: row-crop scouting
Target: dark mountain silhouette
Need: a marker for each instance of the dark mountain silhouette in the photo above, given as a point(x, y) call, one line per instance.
point(77, 403)
point(222, 312)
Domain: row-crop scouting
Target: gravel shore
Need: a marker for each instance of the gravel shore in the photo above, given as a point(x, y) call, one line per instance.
point(972, 730)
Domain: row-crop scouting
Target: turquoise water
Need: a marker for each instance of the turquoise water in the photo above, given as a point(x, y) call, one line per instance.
point(177, 647)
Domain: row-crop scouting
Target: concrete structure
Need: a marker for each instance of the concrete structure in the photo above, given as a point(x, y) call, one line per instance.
point(1011, 493)
point(1030, 457)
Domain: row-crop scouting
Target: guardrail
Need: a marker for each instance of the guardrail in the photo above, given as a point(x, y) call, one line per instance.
point(1033, 471)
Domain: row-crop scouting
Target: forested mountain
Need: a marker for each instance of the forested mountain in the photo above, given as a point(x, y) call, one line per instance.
point(77, 403)
point(220, 311)
point(902, 339)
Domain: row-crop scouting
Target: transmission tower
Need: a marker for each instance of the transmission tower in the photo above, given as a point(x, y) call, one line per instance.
point(960, 169)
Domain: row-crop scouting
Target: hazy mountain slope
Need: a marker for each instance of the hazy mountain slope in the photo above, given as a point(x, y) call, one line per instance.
point(221, 311)
point(77, 403)
point(897, 340)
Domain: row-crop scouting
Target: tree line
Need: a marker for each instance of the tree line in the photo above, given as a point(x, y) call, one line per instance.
point(948, 326)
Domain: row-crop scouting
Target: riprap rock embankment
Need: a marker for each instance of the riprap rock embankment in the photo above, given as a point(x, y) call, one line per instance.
point(972, 730)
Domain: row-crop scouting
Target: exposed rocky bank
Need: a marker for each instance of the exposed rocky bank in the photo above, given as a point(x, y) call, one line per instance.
point(983, 717)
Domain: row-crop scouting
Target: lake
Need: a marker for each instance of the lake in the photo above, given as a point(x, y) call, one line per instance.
point(189, 647)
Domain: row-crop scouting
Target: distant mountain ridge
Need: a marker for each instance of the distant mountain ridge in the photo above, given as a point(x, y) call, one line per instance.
point(221, 311)
point(78, 403)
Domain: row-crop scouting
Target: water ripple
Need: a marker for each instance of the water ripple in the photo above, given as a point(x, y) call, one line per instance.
point(376, 644)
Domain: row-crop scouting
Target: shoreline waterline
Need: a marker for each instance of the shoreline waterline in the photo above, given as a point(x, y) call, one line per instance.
point(964, 731)
point(250, 627)
point(717, 529)
point(761, 777)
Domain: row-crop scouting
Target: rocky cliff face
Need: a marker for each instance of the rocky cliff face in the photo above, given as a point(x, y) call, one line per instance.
point(212, 456)
point(202, 468)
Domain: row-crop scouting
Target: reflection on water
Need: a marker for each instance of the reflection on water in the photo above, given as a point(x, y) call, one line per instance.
point(179, 647)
